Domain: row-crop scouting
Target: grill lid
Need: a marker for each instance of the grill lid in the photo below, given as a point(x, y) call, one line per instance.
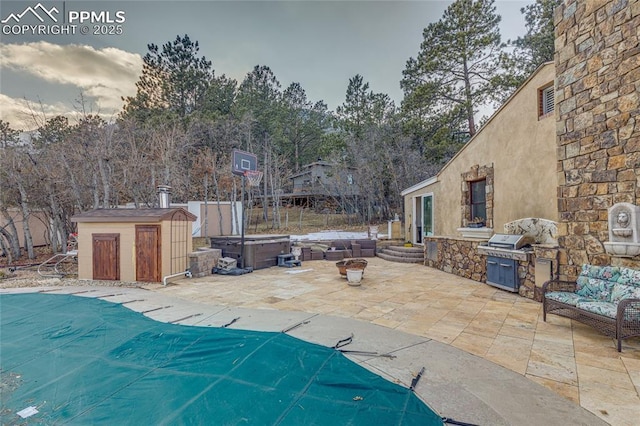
point(509, 241)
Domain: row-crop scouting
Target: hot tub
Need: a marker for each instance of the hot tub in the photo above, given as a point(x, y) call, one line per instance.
point(260, 251)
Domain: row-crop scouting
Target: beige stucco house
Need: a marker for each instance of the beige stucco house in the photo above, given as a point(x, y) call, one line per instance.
point(506, 171)
point(133, 244)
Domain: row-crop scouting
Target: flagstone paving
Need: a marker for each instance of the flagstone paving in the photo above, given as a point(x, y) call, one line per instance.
point(571, 359)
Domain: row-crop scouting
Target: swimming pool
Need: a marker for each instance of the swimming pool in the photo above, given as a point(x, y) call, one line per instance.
point(86, 361)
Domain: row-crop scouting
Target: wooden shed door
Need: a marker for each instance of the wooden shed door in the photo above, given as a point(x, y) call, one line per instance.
point(106, 256)
point(148, 265)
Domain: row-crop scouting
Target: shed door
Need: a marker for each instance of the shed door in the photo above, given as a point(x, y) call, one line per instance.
point(106, 256)
point(148, 263)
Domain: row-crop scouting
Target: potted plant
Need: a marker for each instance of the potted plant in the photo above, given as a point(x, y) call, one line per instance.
point(476, 222)
point(343, 265)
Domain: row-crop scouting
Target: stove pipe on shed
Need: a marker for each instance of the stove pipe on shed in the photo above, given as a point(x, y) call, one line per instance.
point(164, 196)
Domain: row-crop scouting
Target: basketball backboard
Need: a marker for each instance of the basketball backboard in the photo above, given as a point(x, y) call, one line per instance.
point(243, 161)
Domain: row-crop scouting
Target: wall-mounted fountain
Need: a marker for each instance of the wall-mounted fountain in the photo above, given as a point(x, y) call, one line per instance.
point(624, 230)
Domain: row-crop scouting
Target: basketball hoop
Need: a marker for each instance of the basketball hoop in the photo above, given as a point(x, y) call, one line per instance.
point(254, 177)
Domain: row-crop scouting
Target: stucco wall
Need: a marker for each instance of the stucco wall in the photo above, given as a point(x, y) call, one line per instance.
point(216, 213)
point(213, 211)
point(520, 147)
point(37, 226)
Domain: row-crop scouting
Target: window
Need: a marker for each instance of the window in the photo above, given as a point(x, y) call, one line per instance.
point(545, 101)
point(477, 197)
point(478, 200)
point(427, 215)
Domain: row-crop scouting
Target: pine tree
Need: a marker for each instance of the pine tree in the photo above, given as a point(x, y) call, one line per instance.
point(529, 51)
point(458, 58)
point(174, 79)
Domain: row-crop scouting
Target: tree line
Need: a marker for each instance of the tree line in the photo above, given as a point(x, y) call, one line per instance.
point(181, 125)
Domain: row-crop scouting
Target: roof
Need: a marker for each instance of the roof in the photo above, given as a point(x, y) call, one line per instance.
point(315, 164)
point(419, 185)
point(131, 215)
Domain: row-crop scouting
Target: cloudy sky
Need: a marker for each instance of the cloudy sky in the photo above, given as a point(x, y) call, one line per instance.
point(53, 54)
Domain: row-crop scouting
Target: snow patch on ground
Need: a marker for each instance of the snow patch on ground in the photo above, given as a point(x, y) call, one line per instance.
point(330, 235)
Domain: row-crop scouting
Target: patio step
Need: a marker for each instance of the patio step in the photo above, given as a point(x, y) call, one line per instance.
point(402, 254)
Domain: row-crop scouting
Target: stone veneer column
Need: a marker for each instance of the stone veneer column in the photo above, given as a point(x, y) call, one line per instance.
point(598, 124)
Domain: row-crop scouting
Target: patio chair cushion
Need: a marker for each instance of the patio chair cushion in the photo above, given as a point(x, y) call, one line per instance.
point(622, 291)
point(566, 297)
point(608, 273)
point(607, 309)
point(594, 288)
point(629, 277)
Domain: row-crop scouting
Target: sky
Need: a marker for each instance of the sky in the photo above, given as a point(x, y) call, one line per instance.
point(55, 59)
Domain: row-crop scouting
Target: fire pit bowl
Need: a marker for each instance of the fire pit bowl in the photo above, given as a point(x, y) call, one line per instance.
point(343, 265)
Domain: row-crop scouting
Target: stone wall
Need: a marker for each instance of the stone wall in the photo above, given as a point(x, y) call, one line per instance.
point(202, 261)
point(598, 124)
point(456, 256)
point(460, 257)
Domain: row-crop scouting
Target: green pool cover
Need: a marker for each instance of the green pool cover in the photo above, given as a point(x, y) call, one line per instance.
point(86, 361)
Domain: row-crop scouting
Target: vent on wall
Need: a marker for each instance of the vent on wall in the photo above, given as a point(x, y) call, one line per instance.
point(546, 101)
point(164, 196)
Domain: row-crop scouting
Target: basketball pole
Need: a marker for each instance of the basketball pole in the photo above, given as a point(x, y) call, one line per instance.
point(242, 227)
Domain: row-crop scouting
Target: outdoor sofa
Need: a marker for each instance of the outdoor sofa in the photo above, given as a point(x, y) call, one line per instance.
point(604, 297)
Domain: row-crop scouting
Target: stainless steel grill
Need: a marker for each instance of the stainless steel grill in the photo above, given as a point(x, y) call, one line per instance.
point(509, 241)
point(503, 253)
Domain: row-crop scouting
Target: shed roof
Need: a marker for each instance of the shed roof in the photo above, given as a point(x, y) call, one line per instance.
point(131, 215)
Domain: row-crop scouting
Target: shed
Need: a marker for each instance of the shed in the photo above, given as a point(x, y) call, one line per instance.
point(133, 244)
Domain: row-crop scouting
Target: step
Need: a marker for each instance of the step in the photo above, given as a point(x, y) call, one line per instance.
point(404, 249)
point(399, 259)
point(407, 254)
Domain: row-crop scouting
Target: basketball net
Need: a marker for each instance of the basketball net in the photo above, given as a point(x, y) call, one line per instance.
point(254, 177)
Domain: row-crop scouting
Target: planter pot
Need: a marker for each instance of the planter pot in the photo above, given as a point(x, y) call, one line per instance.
point(476, 233)
point(343, 265)
point(476, 225)
point(354, 276)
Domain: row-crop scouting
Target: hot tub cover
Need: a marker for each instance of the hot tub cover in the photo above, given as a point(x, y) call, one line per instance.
point(86, 361)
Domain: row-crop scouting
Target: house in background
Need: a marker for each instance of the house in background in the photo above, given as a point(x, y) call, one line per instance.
point(321, 182)
point(507, 171)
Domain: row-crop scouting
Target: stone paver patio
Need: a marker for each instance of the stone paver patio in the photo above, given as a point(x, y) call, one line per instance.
point(565, 356)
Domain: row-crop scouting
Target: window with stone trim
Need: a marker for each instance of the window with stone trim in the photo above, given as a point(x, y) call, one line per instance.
point(546, 103)
point(477, 195)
